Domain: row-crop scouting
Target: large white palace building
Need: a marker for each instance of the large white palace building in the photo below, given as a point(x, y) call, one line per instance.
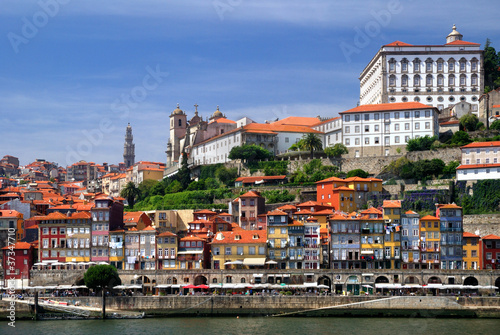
point(436, 75)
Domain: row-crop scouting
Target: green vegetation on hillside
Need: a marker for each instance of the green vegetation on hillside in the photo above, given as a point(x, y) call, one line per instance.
point(312, 172)
point(485, 196)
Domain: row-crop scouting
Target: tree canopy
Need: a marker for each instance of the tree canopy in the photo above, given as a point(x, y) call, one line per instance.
point(130, 192)
point(312, 142)
point(184, 175)
point(460, 138)
point(491, 66)
point(469, 122)
point(101, 276)
point(421, 143)
point(495, 125)
point(357, 173)
point(249, 152)
point(336, 151)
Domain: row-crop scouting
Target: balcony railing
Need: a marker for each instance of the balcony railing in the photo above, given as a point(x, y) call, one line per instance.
point(311, 258)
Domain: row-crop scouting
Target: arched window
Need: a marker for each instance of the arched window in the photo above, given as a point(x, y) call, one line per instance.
point(174, 281)
point(440, 80)
point(428, 65)
point(473, 64)
point(392, 80)
point(473, 79)
point(451, 80)
point(428, 80)
point(416, 65)
point(214, 281)
point(169, 281)
point(404, 80)
point(440, 65)
point(451, 65)
point(243, 280)
point(462, 80)
point(463, 64)
point(404, 65)
point(392, 65)
point(416, 80)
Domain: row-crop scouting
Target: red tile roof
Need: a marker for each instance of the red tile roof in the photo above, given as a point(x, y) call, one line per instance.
point(204, 211)
point(392, 204)
point(398, 44)
point(448, 206)
point(482, 144)
point(458, 42)
point(477, 166)
point(245, 237)
point(19, 245)
point(388, 107)
point(167, 233)
point(250, 194)
point(276, 212)
point(491, 237)
point(429, 217)
point(467, 234)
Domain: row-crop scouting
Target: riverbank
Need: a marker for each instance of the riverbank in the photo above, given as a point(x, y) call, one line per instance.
point(362, 306)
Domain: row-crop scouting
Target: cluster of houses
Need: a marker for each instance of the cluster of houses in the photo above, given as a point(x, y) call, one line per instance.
point(333, 232)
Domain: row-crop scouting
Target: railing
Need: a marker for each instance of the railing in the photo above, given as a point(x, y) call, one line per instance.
point(311, 258)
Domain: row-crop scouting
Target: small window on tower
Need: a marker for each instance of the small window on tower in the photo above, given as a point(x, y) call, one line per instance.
point(180, 123)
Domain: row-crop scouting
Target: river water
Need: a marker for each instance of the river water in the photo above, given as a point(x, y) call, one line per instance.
point(257, 326)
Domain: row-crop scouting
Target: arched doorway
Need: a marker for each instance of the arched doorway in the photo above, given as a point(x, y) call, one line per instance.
point(497, 283)
point(381, 280)
point(471, 281)
point(325, 280)
point(200, 280)
point(434, 280)
point(411, 280)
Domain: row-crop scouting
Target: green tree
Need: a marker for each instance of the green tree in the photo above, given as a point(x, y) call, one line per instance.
point(491, 65)
point(146, 188)
point(421, 143)
point(451, 168)
point(102, 277)
point(495, 125)
point(460, 138)
point(312, 142)
point(249, 152)
point(211, 184)
point(226, 175)
point(174, 187)
point(184, 175)
point(131, 193)
point(336, 151)
point(357, 173)
point(469, 122)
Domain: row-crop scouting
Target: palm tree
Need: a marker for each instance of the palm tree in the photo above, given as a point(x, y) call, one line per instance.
point(311, 142)
point(130, 192)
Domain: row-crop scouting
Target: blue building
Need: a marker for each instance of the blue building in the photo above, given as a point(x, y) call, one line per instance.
point(451, 228)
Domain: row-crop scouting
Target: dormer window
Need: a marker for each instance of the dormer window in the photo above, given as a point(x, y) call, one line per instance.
point(237, 237)
point(255, 237)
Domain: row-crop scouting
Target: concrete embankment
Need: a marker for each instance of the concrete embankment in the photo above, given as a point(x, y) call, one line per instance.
point(415, 306)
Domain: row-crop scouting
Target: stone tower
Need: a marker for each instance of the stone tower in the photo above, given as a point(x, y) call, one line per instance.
point(454, 35)
point(129, 148)
point(178, 125)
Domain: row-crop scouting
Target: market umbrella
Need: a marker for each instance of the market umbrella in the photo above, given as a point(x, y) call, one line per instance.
point(202, 286)
point(190, 286)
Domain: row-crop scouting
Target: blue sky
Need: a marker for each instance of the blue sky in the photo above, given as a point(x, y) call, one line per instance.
point(73, 74)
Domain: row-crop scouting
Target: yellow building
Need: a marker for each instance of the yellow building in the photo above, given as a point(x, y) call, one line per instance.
point(364, 184)
point(372, 239)
point(392, 238)
point(166, 251)
point(239, 249)
point(430, 242)
point(78, 237)
point(277, 236)
point(471, 252)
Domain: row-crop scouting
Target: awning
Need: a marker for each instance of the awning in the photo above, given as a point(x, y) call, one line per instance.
point(254, 261)
point(164, 286)
point(367, 274)
point(308, 274)
point(366, 252)
point(310, 284)
point(234, 263)
point(271, 262)
point(258, 274)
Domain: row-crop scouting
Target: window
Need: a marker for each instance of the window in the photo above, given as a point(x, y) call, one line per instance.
point(404, 80)
point(356, 141)
point(347, 129)
point(356, 129)
point(367, 128)
point(404, 65)
point(407, 138)
point(367, 140)
point(417, 114)
point(427, 125)
point(376, 140)
point(407, 126)
point(417, 125)
point(347, 118)
point(347, 142)
point(416, 81)
point(407, 115)
point(396, 139)
point(451, 80)
point(356, 117)
point(228, 250)
point(396, 127)
point(376, 116)
point(376, 127)
point(367, 117)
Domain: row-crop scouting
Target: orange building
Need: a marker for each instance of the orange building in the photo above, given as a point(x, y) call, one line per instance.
point(472, 253)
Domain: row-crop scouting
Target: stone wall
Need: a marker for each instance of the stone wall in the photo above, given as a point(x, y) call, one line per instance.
point(482, 224)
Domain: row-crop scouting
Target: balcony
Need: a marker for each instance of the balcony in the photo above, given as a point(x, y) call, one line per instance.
point(311, 258)
point(416, 261)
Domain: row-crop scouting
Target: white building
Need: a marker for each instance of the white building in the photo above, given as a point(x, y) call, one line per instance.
point(332, 129)
point(480, 160)
point(437, 75)
point(382, 129)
